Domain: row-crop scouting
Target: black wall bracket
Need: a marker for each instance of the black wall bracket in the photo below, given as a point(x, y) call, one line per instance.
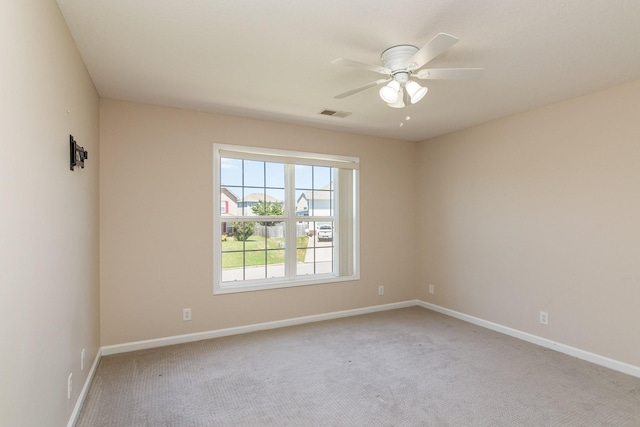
point(77, 154)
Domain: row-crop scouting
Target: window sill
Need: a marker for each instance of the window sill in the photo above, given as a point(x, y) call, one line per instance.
point(230, 288)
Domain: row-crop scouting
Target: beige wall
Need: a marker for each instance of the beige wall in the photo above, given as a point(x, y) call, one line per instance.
point(156, 212)
point(48, 217)
point(540, 211)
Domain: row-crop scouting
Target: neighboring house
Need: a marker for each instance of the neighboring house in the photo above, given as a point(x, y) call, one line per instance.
point(228, 202)
point(316, 202)
point(231, 206)
point(228, 206)
point(253, 199)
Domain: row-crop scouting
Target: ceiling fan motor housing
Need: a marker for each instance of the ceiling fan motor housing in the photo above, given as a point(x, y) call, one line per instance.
point(396, 58)
point(401, 77)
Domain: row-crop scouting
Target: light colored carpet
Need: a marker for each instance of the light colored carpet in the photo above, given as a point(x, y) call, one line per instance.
point(407, 367)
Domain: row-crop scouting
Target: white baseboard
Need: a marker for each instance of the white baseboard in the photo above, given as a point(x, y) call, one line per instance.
point(562, 348)
point(180, 339)
point(85, 389)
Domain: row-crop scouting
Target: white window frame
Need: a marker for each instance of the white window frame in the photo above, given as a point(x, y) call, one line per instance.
point(346, 218)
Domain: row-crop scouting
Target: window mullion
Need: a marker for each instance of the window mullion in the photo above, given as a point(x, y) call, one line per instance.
point(291, 249)
point(338, 239)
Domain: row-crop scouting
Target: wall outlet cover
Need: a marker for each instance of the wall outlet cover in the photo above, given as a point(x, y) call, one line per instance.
point(544, 317)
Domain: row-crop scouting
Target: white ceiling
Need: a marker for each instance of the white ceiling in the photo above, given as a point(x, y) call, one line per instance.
point(271, 59)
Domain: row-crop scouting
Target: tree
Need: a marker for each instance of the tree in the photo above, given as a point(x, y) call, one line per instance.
point(243, 230)
point(268, 209)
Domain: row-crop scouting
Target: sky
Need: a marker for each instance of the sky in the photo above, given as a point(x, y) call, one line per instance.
point(260, 175)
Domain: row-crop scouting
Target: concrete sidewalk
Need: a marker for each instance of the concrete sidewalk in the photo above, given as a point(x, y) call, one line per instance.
point(320, 252)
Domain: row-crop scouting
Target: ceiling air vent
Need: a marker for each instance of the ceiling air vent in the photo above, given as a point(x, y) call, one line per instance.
point(333, 113)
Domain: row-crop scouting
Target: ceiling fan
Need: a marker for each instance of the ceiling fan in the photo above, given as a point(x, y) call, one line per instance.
point(403, 62)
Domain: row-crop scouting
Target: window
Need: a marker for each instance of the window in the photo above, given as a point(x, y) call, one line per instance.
point(295, 219)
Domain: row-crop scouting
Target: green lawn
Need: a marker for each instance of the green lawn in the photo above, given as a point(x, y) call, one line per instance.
point(255, 249)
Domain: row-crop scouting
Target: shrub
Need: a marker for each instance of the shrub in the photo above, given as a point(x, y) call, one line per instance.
point(243, 230)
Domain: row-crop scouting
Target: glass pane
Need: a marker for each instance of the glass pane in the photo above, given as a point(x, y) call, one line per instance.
point(315, 249)
point(256, 272)
point(275, 175)
point(232, 265)
point(274, 233)
point(304, 177)
point(229, 200)
point(304, 248)
point(256, 254)
point(231, 172)
point(275, 263)
point(324, 232)
point(302, 203)
point(314, 191)
point(321, 177)
point(250, 199)
point(253, 173)
point(322, 203)
point(324, 261)
point(254, 251)
point(261, 201)
point(306, 265)
point(302, 234)
point(275, 202)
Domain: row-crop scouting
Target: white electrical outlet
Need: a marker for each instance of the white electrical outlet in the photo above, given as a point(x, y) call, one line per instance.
point(380, 290)
point(82, 360)
point(432, 289)
point(544, 317)
point(69, 386)
point(186, 314)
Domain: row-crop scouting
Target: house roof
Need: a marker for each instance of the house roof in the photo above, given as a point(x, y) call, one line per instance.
point(230, 194)
point(257, 197)
point(322, 194)
point(272, 59)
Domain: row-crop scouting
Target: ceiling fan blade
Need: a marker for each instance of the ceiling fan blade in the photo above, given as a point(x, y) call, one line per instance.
point(450, 73)
point(433, 48)
point(361, 65)
point(361, 88)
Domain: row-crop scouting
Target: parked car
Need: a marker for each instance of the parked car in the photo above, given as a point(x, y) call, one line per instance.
point(325, 232)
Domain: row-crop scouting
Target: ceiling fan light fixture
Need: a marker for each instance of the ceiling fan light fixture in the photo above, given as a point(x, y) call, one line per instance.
point(400, 102)
point(391, 92)
point(415, 91)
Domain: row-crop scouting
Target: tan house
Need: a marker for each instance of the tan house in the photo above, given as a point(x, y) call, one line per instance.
point(253, 199)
